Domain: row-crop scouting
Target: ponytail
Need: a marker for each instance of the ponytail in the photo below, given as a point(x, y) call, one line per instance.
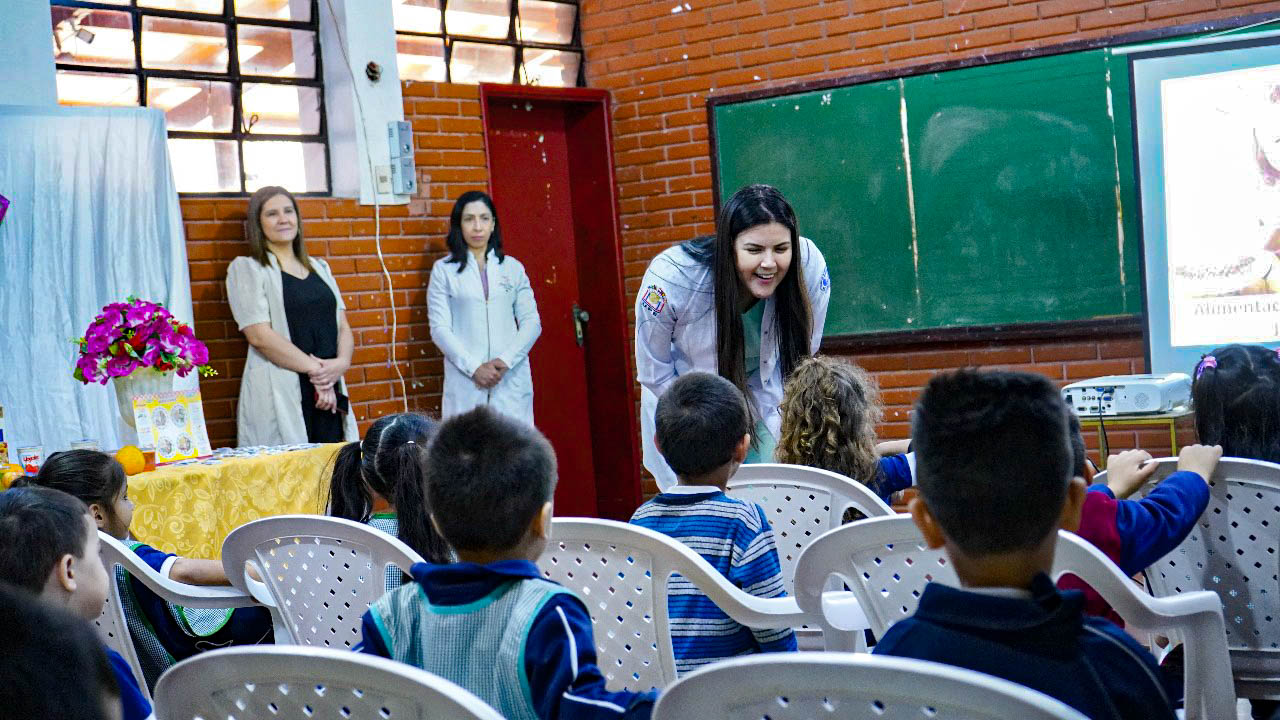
point(348, 495)
point(1237, 401)
point(410, 500)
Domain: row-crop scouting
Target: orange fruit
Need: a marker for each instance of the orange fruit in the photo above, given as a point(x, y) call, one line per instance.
point(131, 458)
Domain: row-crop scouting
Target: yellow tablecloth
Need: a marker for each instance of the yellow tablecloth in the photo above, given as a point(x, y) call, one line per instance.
point(190, 509)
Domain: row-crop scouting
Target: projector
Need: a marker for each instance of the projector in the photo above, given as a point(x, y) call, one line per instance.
point(1128, 394)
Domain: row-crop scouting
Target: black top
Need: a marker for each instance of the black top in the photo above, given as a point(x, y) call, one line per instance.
point(311, 311)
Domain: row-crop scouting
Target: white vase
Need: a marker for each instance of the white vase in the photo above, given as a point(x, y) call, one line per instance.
point(143, 381)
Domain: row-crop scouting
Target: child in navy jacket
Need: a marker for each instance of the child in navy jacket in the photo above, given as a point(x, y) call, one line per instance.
point(490, 622)
point(994, 468)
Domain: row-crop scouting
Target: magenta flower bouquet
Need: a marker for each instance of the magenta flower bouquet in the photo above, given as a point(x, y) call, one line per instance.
point(138, 334)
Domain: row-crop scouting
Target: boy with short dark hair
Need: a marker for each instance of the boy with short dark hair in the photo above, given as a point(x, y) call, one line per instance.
point(995, 472)
point(490, 622)
point(50, 548)
point(703, 432)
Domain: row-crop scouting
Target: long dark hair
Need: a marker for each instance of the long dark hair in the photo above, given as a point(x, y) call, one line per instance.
point(258, 238)
point(93, 477)
point(389, 461)
point(752, 206)
point(458, 250)
point(1237, 401)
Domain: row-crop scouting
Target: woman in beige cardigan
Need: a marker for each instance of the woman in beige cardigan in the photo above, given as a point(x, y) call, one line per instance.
point(291, 311)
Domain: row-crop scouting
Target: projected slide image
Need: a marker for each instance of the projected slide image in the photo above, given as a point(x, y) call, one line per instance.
point(1222, 205)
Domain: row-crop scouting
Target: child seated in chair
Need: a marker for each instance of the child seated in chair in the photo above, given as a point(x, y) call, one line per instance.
point(163, 633)
point(703, 432)
point(994, 468)
point(379, 481)
point(830, 409)
point(50, 548)
point(1134, 534)
point(490, 622)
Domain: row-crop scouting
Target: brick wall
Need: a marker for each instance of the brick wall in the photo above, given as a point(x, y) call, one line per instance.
point(449, 145)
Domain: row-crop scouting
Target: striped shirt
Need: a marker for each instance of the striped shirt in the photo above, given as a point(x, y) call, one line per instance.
point(735, 538)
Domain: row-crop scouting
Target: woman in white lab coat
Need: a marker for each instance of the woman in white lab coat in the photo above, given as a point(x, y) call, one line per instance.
point(483, 316)
point(749, 304)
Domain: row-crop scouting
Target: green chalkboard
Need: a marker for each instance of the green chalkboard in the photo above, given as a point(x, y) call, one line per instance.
point(990, 195)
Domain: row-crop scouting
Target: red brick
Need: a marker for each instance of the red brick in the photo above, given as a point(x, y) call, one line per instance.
point(938, 359)
point(1111, 17)
point(1006, 15)
point(1000, 356)
point(1171, 8)
point(1097, 368)
point(1073, 351)
point(1045, 28)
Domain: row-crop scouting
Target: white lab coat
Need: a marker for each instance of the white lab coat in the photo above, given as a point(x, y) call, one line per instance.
point(676, 334)
point(471, 330)
point(270, 409)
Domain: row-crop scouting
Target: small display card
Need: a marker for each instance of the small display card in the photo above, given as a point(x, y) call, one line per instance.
point(173, 423)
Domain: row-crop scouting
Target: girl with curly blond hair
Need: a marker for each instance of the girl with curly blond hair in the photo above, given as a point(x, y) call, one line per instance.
point(830, 409)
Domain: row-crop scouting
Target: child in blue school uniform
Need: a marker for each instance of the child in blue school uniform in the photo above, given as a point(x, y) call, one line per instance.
point(162, 633)
point(703, 433)
point(830, 409)
point(50, 548)
point(379, 481)
point(994, 469)
point(1134, 534)
point(490, 622)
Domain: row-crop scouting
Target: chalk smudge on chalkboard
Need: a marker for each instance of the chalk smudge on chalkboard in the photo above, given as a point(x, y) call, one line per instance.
point(911, 194)
point(1115, 155)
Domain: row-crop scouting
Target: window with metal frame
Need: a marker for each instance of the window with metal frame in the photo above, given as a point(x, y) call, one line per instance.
point(239, 82)
point(524, 42)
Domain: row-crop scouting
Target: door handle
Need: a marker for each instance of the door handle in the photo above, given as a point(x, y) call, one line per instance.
point(580, 319)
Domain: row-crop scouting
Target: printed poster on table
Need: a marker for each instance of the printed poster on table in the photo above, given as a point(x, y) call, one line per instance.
point(1222, 205)
point(173, 424)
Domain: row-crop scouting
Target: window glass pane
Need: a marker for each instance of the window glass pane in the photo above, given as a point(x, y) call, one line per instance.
point(197, 6)
point(420, 58)
point(296, 166)
point(280, 109)
point(204, 165)
point(276, 51)
point(170, 44)
point(92, 37)
point(475, 63)
point(87, 88)
point(417, 15)
point(546, 22)
point(552, 68)
point(478, 18)
point(297, 10)
point(192, 104)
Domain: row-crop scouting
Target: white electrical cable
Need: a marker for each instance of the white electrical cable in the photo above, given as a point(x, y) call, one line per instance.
point(377, 208)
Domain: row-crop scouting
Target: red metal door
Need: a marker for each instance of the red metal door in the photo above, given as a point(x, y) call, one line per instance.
point(551, 177)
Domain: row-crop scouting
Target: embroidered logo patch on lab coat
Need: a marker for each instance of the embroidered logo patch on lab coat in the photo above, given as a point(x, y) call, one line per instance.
point(826, 280)
point(654, 300)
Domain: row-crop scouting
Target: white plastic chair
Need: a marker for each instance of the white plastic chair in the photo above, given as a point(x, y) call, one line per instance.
point(801, 503)
point(620, 571)
point(319, 574)
point(803, 686)
point(295, 682)
point(1232, 551)
point(111, 624)
point(887, 565)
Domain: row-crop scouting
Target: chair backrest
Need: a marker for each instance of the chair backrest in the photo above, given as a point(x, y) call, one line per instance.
point(289, 682)
point(112, 625)
point(801, 503)
point(803, 686)
point(887, 565)
point(620, 572)
point(1233, 551)
point(320, 573)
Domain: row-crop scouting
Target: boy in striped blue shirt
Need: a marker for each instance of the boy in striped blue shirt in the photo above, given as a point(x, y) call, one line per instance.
point(703, 432)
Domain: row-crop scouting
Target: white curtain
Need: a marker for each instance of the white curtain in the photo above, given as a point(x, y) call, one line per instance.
point(93, 219)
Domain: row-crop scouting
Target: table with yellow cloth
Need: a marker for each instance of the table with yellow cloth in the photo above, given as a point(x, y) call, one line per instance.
point(190, 509)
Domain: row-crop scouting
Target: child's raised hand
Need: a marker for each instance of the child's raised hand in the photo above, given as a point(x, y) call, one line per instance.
point(1200, 459)
point(1128, 471)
